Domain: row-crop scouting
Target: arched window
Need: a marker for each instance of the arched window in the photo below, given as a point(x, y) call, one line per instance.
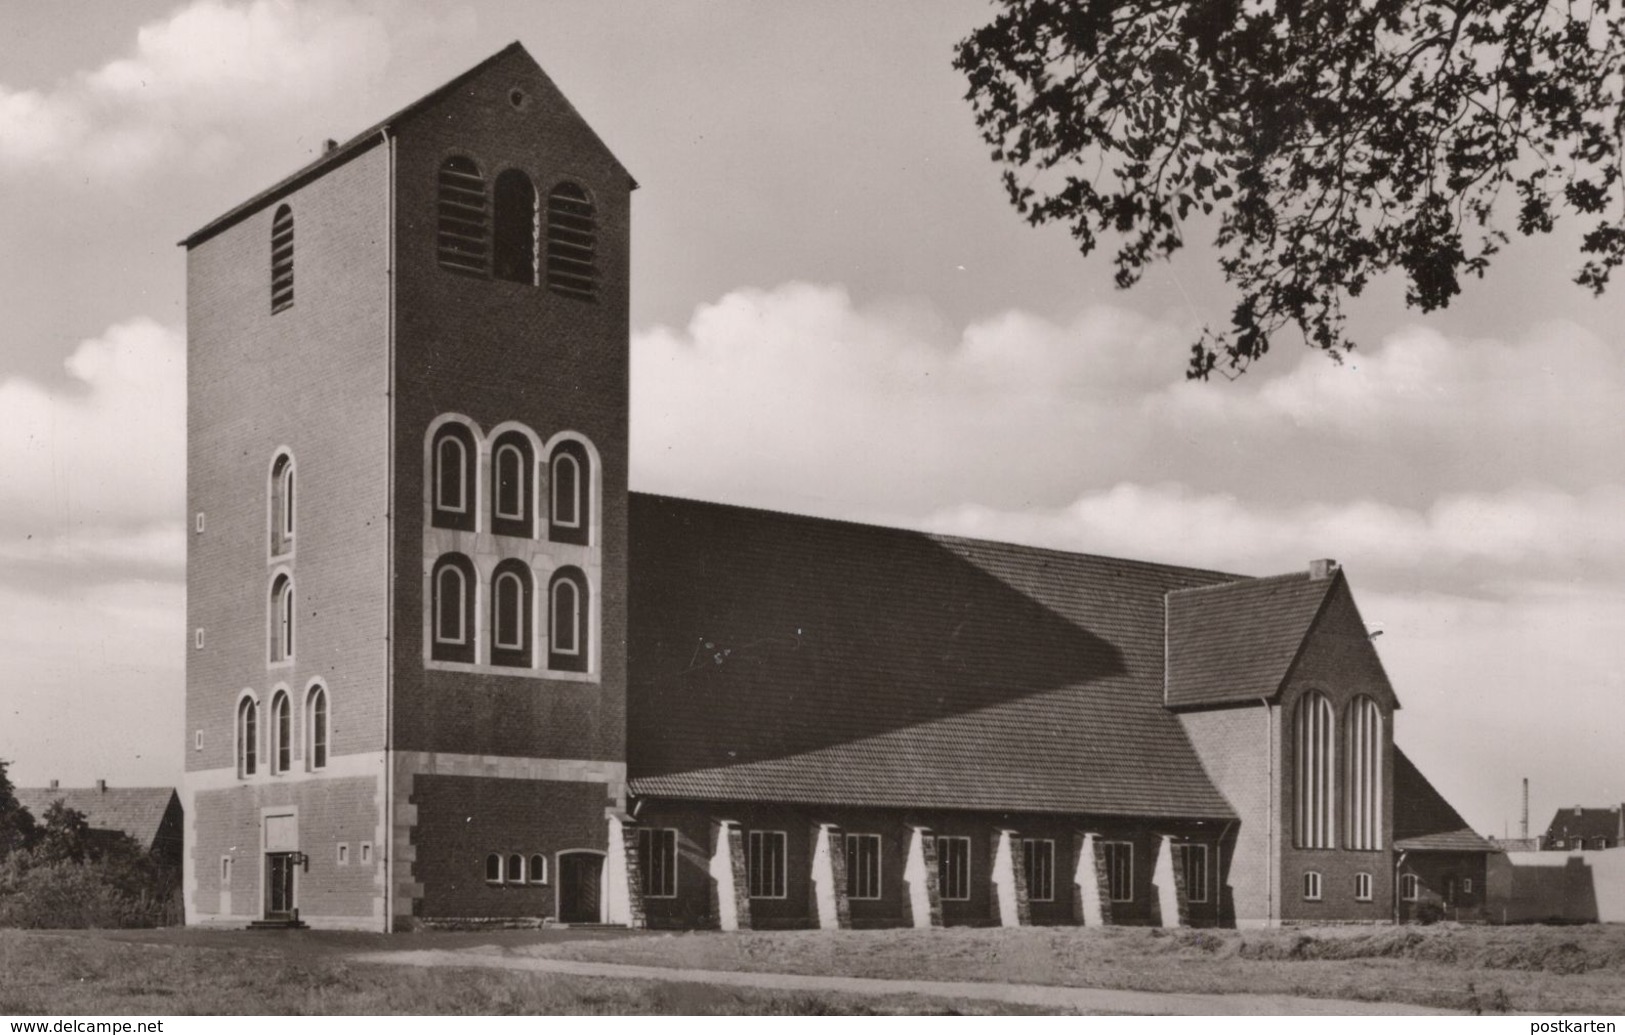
point(1362, 775)
point(513, 250)
point(281, 733)
point(461, 242)
point(281, 505)
point(538, 869)
point(453, 457)
point(511, 614)
point(516, 869)
point(493, 869)
point(282, 615)
point(570, 513)
point(512, 501)
point(452, 609)
point(572, 230)
point(1313, 751)
point(567, 648)
point(316, 728)
point(282, 259)
point(248, 736)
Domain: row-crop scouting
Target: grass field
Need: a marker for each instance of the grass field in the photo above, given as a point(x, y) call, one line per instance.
point(1523, 969)
point(91, 973)
point(1548, 970)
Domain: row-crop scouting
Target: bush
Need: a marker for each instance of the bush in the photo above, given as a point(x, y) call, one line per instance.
point(1427, 913)
point(73, 895)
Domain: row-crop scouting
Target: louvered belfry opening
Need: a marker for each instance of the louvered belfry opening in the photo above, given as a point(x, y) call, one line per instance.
point(571, 237)
point(463, 241)
point(282, 259)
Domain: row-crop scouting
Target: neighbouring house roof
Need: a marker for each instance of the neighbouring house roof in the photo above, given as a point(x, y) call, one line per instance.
point(1423, 820)
point(360, 143)
point(1237, 641)
point(1587, 822)
point(791, 659)
point(137, 811)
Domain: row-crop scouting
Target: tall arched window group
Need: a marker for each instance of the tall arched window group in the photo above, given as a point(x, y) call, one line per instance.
point(279, 732)
point(1333, 774)
point(501, 232)
point(514, 502)
point(511, 630)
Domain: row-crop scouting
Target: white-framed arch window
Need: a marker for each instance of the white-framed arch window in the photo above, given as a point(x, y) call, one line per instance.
point(451, 609)
point(281, 732)
point(316, 727)
point(452, 470)
point(283, 611)
point(571, 492)
point(569, 647)
point(282, 503)
point(512, 615)
point(248, 735)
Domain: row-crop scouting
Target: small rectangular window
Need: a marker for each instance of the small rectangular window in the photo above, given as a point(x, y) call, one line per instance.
point(197, 639)
point(1311, 886)
point(366, 852)
point(1196, 878)
point(657, 858)
point(863, 866)
point(197, 741)
point(1038, 862)
point(953, 868)
point(765, 861)
point(225, 871)
point(344, 854)
point(1119, 869)
point(200, 522)
point(1362, 887)
point(1467, 885)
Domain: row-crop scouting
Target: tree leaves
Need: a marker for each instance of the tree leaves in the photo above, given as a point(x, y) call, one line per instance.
point(1334, 141)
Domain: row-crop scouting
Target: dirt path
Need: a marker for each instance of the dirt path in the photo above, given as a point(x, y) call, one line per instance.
point(1083, 1000)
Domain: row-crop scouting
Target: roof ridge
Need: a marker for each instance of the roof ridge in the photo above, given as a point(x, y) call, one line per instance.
point(1242, 580)
point(949, 537)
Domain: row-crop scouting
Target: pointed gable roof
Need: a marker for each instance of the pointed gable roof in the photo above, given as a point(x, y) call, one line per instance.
point(1236, 642)
point(374, 135)
point(1423, 820)
point(137, 811)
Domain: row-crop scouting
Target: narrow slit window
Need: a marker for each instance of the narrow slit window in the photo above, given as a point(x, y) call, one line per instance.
point(512, 466)
point(511, 615)
point(657, 858)
point(452, 614)
point(281, 734)
point(571, 494)
point(282, 260)
point(282, 512)
point(517, 220)
point(568, 614)
point(282, 618)
point(953, 868)
point(572, 238)
point(1038, 862)
point(462, 242)
point(248, 737)
point(316, 724)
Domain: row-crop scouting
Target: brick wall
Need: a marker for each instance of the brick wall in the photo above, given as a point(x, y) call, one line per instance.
point(312, 378)
point(498, 351)
point(462, 819)
point(1235, 746)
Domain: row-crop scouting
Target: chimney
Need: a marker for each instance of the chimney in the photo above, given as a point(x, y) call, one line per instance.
point(55, 784)
point(1523, 828)
point(329, 146)
point(101, 786)
point(1324, 568)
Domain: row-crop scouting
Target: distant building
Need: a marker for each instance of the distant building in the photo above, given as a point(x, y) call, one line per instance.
point(1585, 829)
point(151, 816)
point(465, 674)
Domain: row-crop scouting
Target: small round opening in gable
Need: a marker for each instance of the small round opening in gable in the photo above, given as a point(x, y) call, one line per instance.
point(517, 98)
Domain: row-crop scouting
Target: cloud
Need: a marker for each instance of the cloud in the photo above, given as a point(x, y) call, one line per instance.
point(199, 82)
point(1493, 541)
point(106, 453)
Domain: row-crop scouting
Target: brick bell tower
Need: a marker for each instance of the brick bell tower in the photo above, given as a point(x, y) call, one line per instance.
point(407, 478)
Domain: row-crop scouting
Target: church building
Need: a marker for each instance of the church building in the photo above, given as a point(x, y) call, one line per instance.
point(445, 667)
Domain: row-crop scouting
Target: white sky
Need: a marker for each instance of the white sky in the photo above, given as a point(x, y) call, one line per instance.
point(834, 311)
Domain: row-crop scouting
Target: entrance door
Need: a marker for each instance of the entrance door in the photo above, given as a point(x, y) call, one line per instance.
point(579, 880)
point(279, 904)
